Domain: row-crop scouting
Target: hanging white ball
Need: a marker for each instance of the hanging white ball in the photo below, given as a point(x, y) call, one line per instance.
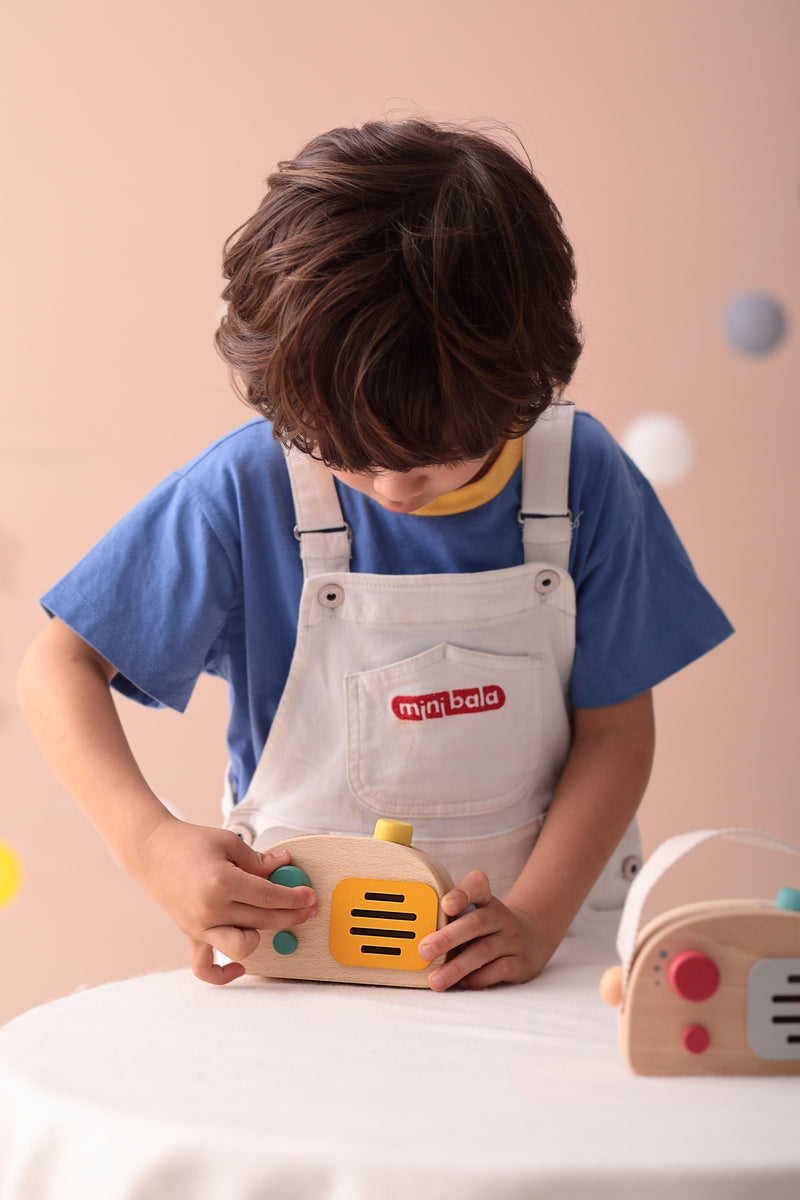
point(754, 323)
point(662, 446)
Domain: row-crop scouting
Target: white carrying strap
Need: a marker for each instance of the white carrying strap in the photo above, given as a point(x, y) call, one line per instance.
point(546, 521)
point(321, 530)
point(544, 516)
point(660, 861)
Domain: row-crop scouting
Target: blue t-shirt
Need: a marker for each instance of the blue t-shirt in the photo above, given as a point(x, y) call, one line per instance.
point(204, 575)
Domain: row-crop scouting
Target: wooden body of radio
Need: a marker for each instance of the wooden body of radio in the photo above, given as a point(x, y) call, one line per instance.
point(377, 898)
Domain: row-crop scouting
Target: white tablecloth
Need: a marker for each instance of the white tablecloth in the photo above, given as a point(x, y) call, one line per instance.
point(164, 1088)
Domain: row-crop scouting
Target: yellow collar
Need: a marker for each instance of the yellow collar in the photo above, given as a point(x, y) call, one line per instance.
point(472, 495)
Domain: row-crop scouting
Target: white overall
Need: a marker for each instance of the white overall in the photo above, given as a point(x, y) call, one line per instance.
point(435, 699)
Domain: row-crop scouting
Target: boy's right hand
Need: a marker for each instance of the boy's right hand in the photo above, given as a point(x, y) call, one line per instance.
point(215, 888)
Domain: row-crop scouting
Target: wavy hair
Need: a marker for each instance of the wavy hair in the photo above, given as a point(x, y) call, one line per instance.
point(402, 296)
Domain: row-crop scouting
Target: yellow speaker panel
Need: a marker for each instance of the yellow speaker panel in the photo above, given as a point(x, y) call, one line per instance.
point(380, 922)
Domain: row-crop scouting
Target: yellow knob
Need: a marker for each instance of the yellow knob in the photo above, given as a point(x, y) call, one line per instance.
point(394, 831)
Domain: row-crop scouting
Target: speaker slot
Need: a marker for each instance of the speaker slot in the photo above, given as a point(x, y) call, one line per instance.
point(382, 914)
point(387, 933)
point(772, 987)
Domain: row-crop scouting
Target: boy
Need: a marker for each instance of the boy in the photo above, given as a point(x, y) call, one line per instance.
point(449, 600)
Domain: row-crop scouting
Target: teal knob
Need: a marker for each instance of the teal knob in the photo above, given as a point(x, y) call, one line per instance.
point(290, 876)
point(788, 898)
point(284, 942)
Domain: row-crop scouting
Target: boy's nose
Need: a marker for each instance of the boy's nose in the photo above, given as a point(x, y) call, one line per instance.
point(399, 486)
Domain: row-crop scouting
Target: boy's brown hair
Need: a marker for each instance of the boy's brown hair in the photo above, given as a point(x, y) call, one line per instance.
point(402, 296)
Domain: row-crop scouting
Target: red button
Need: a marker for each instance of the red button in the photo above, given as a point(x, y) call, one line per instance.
point(695, 1038)
point(693, 976)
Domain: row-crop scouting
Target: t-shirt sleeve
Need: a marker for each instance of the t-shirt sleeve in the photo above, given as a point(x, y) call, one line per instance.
point(153, 595)
point(642, 612)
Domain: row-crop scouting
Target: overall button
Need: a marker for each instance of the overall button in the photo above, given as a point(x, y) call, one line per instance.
point(243, 831)
point(631, 866)
point(693, 976)
point(330, 596)
point(546, 581)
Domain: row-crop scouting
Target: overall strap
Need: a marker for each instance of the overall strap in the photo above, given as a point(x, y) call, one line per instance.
point(546, 521)
point(544, 516)
point(321, 530)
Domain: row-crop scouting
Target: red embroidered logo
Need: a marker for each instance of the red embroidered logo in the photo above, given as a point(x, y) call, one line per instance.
point(448, 704)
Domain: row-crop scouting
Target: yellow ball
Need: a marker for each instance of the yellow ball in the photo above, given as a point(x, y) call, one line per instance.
point(11, 874)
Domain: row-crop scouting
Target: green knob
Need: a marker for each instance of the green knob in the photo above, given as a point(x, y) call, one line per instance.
point(788, 898)
point(290, 876)
point(284, 942)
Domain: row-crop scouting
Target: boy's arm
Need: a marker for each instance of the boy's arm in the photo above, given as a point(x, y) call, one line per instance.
point(211, 884)
point(598, 794)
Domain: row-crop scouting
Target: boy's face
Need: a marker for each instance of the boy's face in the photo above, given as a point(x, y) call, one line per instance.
point(406, 491)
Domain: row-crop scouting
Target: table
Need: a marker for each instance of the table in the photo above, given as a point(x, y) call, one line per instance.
point(165, 1088)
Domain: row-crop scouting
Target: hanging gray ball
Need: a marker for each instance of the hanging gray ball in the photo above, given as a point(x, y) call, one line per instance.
point(754, 323)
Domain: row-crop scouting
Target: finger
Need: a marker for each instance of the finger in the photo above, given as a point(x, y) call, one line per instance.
point(249, 917)
point(235, 882)
point(263, 894)
point(472, 958)
point(201, 958)
point(473, 888)
point(253, 884)
point(499, 970)
point(478, 923)
point(256, 864)
point(233, 942)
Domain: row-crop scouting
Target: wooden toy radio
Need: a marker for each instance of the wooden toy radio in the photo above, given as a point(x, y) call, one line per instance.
point(377, 898)
point(710, 988)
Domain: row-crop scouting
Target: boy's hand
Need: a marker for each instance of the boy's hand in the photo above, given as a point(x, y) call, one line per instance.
point(499, 944)
point(215, 888)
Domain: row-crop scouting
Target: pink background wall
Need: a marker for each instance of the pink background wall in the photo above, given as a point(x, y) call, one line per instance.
point(667, 131)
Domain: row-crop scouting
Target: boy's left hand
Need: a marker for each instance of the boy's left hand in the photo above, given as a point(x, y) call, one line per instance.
point(499, 944)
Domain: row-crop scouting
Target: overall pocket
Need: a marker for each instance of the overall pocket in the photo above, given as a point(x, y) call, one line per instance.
point(447, 733)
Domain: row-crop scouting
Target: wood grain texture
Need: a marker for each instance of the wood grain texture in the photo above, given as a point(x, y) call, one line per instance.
point(328, 859)
point(736, 935)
